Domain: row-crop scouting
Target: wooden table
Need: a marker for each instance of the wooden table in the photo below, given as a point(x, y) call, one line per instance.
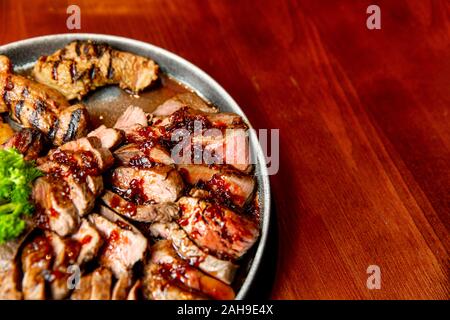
point(363, 116)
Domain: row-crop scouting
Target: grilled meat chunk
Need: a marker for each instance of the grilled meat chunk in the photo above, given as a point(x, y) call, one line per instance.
point(55, 210)
point(110, 138)
point(228, 186)
point(158, 212)
point(90, 242)
point(82, 66)
point(124, 244)
point(9, 280)
point(159, 184)
point(182, 100)
point(217, 228)
point(36, 263)
point(143, 155)
point(94, 286)
point(29, 142)
point(188, 250)
point(133, 116)
point(156, 287)
point(179, 271)
point(34, 105)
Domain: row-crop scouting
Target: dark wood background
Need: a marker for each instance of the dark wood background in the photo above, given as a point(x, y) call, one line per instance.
point(363, 116)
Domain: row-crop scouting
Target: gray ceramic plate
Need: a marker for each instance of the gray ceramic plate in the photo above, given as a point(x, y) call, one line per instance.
point(24, 53)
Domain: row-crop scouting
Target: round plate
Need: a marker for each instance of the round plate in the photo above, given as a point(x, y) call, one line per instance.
point(24, 53)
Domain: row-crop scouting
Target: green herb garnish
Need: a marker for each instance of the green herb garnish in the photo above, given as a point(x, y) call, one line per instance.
point(16, 176)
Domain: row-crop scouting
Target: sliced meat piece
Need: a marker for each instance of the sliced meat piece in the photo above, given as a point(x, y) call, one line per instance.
point(95, 184)
point(94, 286)
point(227, 185)
point(29, 142)
point(159, 184)
point(36, 263)
point(84, 289)
point(134, 293)
point(65, 252)
point(82, 66)
point(216, 228)
point(159, 212)
point(131, 117)
point(9, 269)
point(157, 287)
point(110, 138)
point(71, 124)
point(88, 147)
point(80, 194)
point(182, 100)
point(124, 244)
point(90, 240)
point(188, 250)
point(122, 287)
point(176, 269)
point(143, 155)
point(101, 284)
point(54, 209)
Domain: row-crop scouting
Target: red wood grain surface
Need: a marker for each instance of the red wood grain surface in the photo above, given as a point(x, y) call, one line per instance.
point(363, 115)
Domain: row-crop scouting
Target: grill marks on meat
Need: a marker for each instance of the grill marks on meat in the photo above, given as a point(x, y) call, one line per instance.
point(83, 66)
point(179, 272)
point(34, 105)
point(228, 187)
point(216, 228)
point(29, 142)
point(159, 212)
point(154, 185)
point(71, 183)
point(124, 244)
point(189, 251)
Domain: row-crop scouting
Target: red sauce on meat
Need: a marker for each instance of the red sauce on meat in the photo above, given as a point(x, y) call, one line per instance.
point(80, 164)
point(53, 213)
point(86, 239)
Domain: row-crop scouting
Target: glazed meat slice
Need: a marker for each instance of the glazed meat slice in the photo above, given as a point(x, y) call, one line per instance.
point(94, 286)
point(124, 245)
point(34, 105)
point(36, 263)
point(227, 185)
point(158, 212)
point(189, 251)
point(110, 138)
point(156, 287)
point(82, 66)
point(159, 184)
point(143, 155)
point(179, 271)
point(217, 228)
point(182, 100)
point(55, 210)
point(132, 116)
point(90, 242)
point(29, 142)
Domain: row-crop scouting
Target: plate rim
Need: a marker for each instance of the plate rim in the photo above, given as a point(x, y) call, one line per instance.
point(262, 176)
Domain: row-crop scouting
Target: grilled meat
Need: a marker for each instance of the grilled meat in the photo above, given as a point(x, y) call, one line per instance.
point(135, 291)
point(143, 155)
point(90, 242)
point(124, 244)
point(227, 186)
point(159, 184)
point(132, 116)
point(36, 264)
point(174, 104)
point(220, 269)
point(216, 228)
point(159, 212)
point(34, 105)
point(157, 287)
point(71, 183)
point(110, 138)
point(94, 286)
point(82, 66)
point(29, 142)
point(179, 271)
point(122, 287)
